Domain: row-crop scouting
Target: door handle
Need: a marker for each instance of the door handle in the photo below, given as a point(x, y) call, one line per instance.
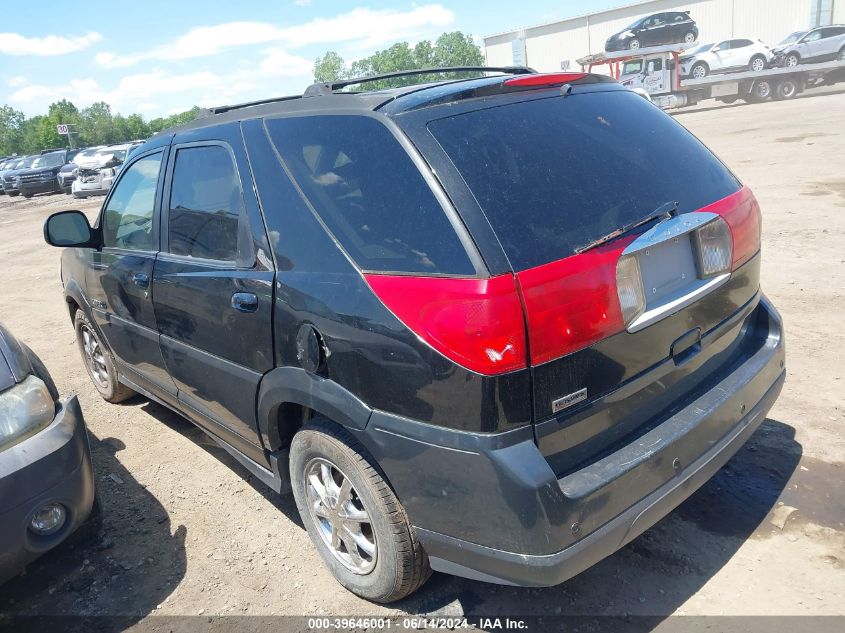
point(245, 302)
point(142, 280)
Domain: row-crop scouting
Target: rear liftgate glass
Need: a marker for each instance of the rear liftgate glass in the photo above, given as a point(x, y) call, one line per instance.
point(554, 175)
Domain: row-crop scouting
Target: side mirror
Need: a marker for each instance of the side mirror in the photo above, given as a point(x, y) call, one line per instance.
point(68, 228)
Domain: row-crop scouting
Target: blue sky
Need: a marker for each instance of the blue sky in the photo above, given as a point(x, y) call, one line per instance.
point(157, 58)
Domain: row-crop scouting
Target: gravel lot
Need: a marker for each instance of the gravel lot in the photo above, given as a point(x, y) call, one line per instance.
point(186, 531)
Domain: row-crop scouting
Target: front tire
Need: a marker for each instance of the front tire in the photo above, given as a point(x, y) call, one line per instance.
point(98, 361)
point(353, 517)
point(634, 44)
point(792, 60)
point(757, 64)
point(699, 71)
point(840, 56)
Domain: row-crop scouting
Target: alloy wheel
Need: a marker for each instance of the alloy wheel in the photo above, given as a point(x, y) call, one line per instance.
point(698, 72)
point(689, 38)
point(791, 61)
point(339, 514)
point(95, 362)
point(757, 64)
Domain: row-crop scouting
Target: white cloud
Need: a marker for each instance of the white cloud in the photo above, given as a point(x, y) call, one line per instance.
point(17, 82)
point(302, 3)
point(152, 92)
point(364, 27)
point(129, 90)
point(280, 63)
point(16, 44)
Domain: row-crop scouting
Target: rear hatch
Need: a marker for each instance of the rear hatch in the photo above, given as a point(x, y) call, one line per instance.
point(624, 332)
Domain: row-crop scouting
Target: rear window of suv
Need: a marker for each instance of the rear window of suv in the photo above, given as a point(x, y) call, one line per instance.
point(554, 174)
point(370, 194)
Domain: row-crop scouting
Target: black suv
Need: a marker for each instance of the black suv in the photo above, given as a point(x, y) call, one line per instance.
point(654, 30)
point(495, 327)
point(41, 176)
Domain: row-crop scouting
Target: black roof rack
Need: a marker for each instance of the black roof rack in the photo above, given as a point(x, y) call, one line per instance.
point(327, 88)
point(226, 108)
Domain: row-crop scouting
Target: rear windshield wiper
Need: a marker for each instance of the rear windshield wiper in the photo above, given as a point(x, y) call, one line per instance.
point(663, 212)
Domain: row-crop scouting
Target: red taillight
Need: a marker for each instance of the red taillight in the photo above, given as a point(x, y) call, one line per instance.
point(477, 323)
point(544, 79)
point(572, 303)
point(742, 213)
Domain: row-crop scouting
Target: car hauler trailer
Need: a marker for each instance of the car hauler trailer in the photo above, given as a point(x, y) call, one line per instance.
point(657, 70)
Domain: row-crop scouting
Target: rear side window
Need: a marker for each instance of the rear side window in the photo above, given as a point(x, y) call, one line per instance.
point(205, 204)
point(370, 194)
point(554, 174)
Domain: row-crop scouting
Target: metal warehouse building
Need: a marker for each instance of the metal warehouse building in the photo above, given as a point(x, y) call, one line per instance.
point(556, 45)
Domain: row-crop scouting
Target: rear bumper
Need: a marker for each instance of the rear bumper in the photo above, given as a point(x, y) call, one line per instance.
point(51, 466)
point(461, 558)
point(491, 508)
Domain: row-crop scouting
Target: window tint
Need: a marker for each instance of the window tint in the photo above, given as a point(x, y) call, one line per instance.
point(206, 202)
point(128, 217)
point(370, 194)
point(724, 46)
point(812, 37)
point(679, 17)
point(741, 43)
point(554, 174)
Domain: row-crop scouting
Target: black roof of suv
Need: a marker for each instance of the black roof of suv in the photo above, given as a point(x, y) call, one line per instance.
point(495, 326)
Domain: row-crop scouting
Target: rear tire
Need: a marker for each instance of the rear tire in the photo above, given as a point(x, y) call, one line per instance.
point(689, 37)
point(99, 362)
point(27, 195)
point(761, 91)
point(375, 554)
point(786, 89)
point(840, 56)
point(757, 64)
point(634, 44)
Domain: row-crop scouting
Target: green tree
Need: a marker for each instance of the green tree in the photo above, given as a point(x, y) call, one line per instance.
point(11, 124)
point(97, 124)
point(450, 49)
point(329, 67)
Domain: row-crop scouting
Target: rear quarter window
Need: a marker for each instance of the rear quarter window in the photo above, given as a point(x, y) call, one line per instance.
point(370, 194)
point(553, 174)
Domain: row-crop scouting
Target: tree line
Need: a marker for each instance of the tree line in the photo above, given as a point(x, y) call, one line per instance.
point(98, 125)
point(94, 125)
point(450, 49)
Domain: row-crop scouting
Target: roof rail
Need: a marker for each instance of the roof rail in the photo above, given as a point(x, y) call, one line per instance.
point(237, 106)
point(327, 88)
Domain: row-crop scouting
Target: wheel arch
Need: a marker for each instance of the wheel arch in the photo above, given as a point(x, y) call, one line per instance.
point(290, 396)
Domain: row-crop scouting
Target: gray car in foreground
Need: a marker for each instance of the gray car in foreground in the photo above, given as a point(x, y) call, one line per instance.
point(46, 477)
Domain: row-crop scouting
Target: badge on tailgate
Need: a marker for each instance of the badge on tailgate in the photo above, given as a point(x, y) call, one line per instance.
point(567, 401)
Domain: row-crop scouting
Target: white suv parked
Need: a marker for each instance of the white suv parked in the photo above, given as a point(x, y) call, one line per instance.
point(816, 45)
point(729, 55)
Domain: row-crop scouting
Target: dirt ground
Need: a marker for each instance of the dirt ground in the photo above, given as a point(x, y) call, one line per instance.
point(186, 531)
